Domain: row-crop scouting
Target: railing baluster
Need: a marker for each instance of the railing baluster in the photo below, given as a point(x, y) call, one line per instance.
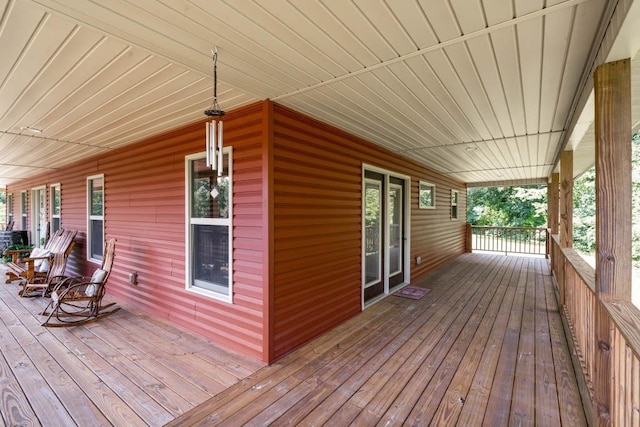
point(523, 240)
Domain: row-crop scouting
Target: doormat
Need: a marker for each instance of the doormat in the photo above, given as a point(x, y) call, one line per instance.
point(412, 292)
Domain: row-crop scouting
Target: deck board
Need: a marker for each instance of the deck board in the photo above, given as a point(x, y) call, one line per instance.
point(477, 398)
point(459, 356)
point(127, 369)
point(484, 347)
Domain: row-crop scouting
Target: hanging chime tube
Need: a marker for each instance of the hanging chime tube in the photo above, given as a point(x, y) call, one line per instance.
point(208, 145)
point(220, 159)
point(212, 145)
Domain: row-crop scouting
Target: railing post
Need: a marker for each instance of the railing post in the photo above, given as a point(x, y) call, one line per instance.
point(469, 231)
point(612, 85)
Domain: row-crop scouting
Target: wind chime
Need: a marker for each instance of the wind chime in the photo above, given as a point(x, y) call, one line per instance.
point(214, 143)
point(214, 127)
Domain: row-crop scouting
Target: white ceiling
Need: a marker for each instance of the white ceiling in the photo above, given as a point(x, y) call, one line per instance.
point(481, 90)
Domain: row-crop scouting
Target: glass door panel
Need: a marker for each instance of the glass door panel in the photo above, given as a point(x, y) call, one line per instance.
point(396, 231)
point(373, 234)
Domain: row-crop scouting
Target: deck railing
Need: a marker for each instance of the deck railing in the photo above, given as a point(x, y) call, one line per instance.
point(521, 240)
point(609, 368)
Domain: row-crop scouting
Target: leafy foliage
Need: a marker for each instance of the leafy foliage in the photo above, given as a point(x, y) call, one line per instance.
point(584, 207)
point(584, 212)
point(14, 247)
point(507, 206)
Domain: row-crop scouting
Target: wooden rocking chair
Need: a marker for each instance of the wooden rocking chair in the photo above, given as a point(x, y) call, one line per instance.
point(78, 300)
point(37, 286)
point(62, 241)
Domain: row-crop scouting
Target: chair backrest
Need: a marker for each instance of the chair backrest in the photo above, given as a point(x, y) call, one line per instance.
point(53, 239)
point(96, 287)
point(62, 241)
point(58, 265)
point(108, 256)
point(47, 233)
point(9, 226)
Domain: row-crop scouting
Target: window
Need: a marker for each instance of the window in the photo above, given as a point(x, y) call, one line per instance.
point(23, 210)
point(208, 234)
point(9, 208)
point(454, 204)
point(54, 209)
point(95, 223)
point(427, 195)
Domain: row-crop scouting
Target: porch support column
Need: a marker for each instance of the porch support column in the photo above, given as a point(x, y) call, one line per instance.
point(566, 199)
point(553, 202)
point(612, 84)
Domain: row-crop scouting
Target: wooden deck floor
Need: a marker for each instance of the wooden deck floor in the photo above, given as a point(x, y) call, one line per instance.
point(484, 347)
point(125, 370)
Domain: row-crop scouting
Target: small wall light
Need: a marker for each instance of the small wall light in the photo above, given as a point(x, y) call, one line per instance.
point(133, 278)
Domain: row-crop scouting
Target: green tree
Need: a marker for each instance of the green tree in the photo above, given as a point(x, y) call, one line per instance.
point(584, 207)
point(584, 212)
point(507, 206)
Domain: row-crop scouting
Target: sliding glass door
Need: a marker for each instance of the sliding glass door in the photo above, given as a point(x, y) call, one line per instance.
point(384, 231)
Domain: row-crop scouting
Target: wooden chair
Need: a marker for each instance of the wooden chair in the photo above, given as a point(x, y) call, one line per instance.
point(78, 300)
point(62, 241)
point(9, 226)
point(39, 287)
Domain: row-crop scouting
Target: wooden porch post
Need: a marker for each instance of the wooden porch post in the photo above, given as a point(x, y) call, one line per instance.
point(566, 199)
point(612, 84)
point(553, 201)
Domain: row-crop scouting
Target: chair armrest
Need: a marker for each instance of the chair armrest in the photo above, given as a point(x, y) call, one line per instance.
point(33, 259)
point(76, 291)
point(68, 282)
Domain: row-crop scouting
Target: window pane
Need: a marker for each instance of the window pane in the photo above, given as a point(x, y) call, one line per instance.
point(55, 200)
point(373, 237)
point(395, 228)
point(96, 196)
point(203, 181)
point(427, 196)
point(96, 238)
point(55, 224)
point(210, 257)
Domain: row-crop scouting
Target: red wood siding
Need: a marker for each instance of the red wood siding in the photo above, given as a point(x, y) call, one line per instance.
point(296, 226)
point(317, 224)
point(145, 211)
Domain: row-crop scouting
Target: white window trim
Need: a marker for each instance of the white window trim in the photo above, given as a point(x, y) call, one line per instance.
point(34, 219)
point(428, 186)
point(51, 201)
point(94, 217)
point(207, 221)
